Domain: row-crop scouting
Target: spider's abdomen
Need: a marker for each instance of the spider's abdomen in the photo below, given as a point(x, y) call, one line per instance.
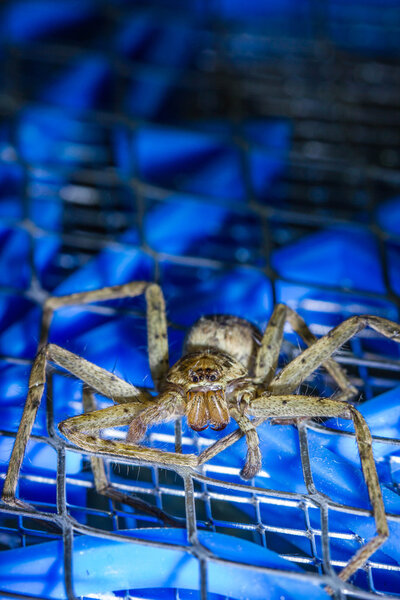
point(231, 335)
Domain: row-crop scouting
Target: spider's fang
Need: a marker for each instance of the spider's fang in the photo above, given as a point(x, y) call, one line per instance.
point(204, 408)
point(197, 411)
point(218, 410)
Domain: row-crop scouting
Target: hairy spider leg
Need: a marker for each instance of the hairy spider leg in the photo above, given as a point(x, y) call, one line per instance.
point(112, 386)
point(104, 487)
point(99, 379)
point(268, 352)
point(320, 351)
point(157, 338)
point(267, 406)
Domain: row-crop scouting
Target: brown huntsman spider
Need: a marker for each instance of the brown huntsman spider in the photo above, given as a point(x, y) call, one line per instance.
point(228, 371)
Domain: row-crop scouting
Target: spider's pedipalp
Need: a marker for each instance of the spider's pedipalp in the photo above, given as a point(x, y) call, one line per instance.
point(166, 407)
point(253, 462)
point(83, 431)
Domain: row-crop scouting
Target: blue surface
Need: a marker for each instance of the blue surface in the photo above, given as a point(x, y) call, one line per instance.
point(197, 222)
point(24, 21)
point(104, 566)
point(346, 259)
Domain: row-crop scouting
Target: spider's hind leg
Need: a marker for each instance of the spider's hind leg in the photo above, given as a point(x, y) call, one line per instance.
point(364, 442)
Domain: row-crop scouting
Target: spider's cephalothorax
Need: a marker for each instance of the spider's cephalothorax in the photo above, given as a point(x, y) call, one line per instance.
point(207, 380)
point(219, 351)
point(231, 335)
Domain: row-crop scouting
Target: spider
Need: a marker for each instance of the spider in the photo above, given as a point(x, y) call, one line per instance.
point(228, 371)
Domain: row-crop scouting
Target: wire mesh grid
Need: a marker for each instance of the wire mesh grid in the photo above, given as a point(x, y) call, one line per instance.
point(278, 139)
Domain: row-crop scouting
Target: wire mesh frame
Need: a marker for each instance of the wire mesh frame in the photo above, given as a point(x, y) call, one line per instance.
point(372, 175)
point(315, 497)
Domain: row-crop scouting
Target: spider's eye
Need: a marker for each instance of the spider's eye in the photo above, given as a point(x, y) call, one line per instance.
point(213, 375)
point(195, 378)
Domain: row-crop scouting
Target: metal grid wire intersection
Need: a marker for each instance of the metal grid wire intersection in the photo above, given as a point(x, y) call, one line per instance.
point(335, 174)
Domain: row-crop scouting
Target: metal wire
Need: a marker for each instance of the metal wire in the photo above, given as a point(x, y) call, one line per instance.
point(343, 160)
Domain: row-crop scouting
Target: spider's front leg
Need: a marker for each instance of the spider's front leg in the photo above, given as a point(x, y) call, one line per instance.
point(103, 485)
point(157, 339)
point(83, 430)
point(296, 406)
point(97, 378)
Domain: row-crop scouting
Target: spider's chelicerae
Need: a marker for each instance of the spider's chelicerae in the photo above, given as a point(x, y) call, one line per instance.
point(228, 371)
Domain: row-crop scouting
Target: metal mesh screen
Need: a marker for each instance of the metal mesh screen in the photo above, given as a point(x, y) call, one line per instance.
point(240, 156)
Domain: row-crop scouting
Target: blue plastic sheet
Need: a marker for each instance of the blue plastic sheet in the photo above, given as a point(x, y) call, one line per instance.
point(323, 258)
point(186, 227)
point(15, 247)
point(388, 215)
point(209, 163)
point(85, 84)
point(363, 26)
point(102, 566)
point(51, 137)
point(111, 267)
point(119, 346)
point(199, 169)
point(23, 21)
point(241, 291)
